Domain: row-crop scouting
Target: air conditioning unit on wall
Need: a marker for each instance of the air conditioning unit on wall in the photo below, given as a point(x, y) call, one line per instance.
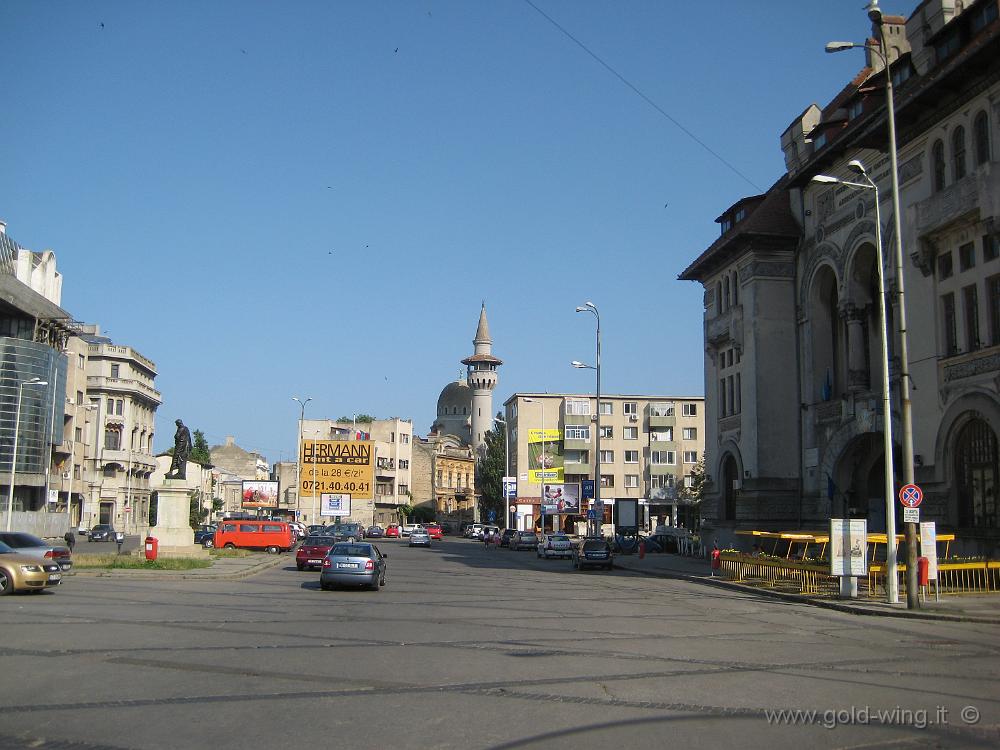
point(633, 418)
point(65, 475)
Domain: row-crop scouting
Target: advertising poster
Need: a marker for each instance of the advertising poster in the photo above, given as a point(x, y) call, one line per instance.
point(335, 505)
point(561, 499)
point(545, 456)
point(337, 466)
point(928, 547)
point(848, 546)
point(259, 494)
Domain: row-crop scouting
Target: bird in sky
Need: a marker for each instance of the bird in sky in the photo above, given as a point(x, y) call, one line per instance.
point(243, 51)
point(102, 24)
point(395, 50)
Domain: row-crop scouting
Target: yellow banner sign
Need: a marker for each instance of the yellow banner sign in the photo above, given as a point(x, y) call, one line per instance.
point(337, 466)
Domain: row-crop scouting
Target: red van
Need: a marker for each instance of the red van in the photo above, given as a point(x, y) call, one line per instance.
point(273, 536)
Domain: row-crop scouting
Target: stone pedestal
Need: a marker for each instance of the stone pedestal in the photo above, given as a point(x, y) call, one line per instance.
point(173, 516)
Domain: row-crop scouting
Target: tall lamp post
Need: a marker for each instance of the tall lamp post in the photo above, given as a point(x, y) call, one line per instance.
point(541, 466)
point(506, 464)
point(298, 454)
point(891, 589)
point(905, 412)
point(13, 459)
point(592, 308)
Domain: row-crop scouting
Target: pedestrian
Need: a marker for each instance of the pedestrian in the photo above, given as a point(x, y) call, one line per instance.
point(70, 540)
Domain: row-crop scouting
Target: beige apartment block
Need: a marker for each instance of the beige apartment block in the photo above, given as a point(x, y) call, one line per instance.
point(649, 446)
point(444, 475)
point(393, 441)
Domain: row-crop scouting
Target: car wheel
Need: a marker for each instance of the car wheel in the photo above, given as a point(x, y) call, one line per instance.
point(272, 550)
point(300, 567)
point(208, 543)
point(6, 583)
point(325, 586)
point(576, 565)
point(382, 582)
point(375, 585)
point(230, 545)
point(610, 566)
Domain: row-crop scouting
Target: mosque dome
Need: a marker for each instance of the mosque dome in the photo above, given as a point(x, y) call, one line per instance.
point(455, 400)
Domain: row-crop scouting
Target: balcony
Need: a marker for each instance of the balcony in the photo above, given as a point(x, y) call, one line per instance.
point(662, 469)
point(122, 385)
point(574, 444)
point(725, 328)
point(980, 364)
point(575, 468)
point(578, 419)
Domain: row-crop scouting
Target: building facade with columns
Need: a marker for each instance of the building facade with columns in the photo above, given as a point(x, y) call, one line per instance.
point(792, 290)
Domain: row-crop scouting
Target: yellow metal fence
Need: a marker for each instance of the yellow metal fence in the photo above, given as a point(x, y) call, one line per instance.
point(954, 579)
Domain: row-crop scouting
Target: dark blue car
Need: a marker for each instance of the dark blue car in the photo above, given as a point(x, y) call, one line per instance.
point(103, 532)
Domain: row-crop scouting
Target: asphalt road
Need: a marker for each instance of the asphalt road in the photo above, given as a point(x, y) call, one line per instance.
point(466, 648)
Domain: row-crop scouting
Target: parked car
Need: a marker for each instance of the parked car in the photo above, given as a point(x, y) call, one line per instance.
point(26, 573)
point(374, 532)
point(593, 553)
point(554, 545)
point(392, 531)
point(488, 530)
point(103, 532)
point(408, 528)
point(447, 528)
point(434, 531)
point(473, 531)
point(31, 545)
point(357, 564)
point(313, 551)
point(505, 537)
point(420, 538)
point(300, 529)
point(523, 540)
point(316, 528)
point(207, 531)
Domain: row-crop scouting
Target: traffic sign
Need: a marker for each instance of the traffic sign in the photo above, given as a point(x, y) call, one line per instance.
point(911, 496)
point(591, 515)
point(911, 515)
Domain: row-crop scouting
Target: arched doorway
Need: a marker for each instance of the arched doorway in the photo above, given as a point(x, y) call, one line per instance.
point(730, 475)
point(858, 483)
point(976, 475)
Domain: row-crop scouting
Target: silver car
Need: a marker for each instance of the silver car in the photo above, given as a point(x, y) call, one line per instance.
point(353, 564)
point(31, 545)
point(420, 538)
point(554, 545)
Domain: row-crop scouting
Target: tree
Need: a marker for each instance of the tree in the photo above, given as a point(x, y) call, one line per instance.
point(367, 418)
point(197, 514)
point(490, 471)
point(692, 492)
point(404, 512)
point(200, 451)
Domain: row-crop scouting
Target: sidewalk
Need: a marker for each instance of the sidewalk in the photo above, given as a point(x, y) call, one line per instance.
point(983, 608)
point(222, 568)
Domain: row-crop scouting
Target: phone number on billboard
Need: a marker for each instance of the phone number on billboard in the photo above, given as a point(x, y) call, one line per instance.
point(335, 486)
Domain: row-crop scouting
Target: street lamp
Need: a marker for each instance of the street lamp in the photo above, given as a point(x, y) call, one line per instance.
point(905, 411)
point(891, 591)
point(13, 460)
point(541, 466)
point(592, 308)
point(506, 461)
point(298, 454)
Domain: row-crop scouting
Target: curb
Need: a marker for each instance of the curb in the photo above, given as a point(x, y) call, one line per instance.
point(822, 603)
point(140, 575)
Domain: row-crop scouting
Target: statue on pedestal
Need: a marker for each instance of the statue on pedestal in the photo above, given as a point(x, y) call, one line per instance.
point(182, 451)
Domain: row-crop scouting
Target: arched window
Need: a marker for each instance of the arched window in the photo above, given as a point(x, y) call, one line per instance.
point(977, 474)
point(725, 286)
point(736, 293)
point(718, 298)
point(981, 137)
point(937, 165)
point(958, 153)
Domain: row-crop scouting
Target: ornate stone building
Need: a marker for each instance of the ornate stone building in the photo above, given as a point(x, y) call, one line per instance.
point(792, 293)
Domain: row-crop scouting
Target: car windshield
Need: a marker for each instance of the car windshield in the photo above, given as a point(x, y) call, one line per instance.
point(351, 550)
point(559, 538)
point(316, 541)
point(17, 539)
point(4, 548)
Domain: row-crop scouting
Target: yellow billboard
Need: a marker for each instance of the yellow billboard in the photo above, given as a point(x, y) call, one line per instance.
point(545, 456)
point(337, 466)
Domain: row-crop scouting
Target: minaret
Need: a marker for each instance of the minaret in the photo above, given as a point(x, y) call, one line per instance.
point(482, 378)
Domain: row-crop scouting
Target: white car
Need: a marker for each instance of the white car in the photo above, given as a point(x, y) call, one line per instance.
point(409, 528)
point(555, 545)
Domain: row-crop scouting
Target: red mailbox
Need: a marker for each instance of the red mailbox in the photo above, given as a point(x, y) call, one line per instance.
point(923, 571)
point(152, 547)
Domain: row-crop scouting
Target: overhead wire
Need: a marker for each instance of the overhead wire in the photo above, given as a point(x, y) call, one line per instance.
point(643, 96)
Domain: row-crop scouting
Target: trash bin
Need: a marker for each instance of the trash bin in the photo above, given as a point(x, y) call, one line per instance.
point(152, 547)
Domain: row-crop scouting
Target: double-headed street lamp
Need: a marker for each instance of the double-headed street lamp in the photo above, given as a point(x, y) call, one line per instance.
point(13, 459)
point(890, 507)
point(592, 308)
point(905, 411)
point(298, 454)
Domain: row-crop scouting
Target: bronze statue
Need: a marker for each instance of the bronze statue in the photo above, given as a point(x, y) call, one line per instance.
point(182, 451)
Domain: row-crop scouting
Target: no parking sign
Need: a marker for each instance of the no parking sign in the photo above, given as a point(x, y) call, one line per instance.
point(911, 496)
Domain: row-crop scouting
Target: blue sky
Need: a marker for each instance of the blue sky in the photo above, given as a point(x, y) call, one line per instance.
point(314, 198)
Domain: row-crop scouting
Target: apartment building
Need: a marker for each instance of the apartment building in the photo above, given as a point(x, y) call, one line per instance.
point(444, 478)
point(649, 446)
